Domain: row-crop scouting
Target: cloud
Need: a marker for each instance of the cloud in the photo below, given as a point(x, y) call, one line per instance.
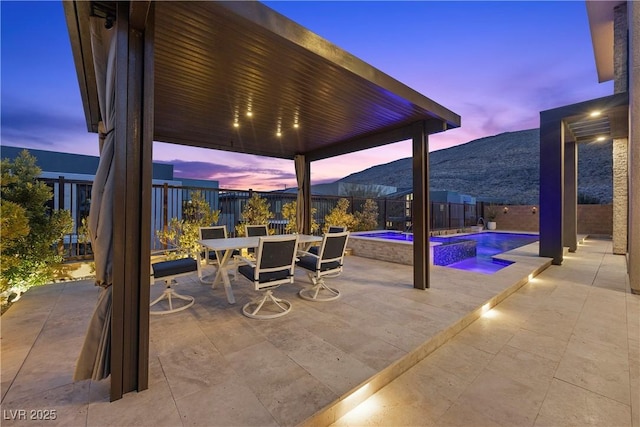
point(235, 176)
point(43, 129)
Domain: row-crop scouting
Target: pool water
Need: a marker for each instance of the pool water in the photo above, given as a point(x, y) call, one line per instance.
point(487, 245)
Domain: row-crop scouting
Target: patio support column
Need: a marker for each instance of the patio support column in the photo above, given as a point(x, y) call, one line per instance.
point(620, 149)
point(551, 185)
point(633, 262)
point(132, 199)
point(570, 220)
point(421, 212)
point(306, 188)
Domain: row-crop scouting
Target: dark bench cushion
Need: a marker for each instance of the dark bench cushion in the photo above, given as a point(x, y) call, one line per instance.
point(248, 272)
point(173, 267)
point(309, 262)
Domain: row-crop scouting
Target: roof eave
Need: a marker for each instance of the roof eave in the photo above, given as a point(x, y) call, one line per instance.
point(600, 15)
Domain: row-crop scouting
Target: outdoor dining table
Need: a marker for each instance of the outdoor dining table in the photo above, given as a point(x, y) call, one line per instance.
point(224, 251)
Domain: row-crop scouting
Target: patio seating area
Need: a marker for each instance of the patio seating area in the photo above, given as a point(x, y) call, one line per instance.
point(210, 365)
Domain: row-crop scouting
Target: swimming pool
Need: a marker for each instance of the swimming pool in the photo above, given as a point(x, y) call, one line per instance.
point(472, 252)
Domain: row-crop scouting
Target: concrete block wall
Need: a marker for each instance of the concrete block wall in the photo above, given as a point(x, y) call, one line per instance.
point(595, 219)
point(518, 217)
point(592, 219)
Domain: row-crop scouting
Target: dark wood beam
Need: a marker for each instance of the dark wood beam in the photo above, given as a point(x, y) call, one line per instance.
point(570, 219)
point(365, 142)
point(307, 197)
point(138, 14)
point(551, 185)
point(421, 212)
point(132, 208)
point(78, 24)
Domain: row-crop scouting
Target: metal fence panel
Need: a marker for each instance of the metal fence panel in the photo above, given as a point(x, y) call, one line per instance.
point(168, 201)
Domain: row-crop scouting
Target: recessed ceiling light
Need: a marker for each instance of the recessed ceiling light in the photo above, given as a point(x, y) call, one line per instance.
point(236, 124)
point(595, 113)
point(600, 138)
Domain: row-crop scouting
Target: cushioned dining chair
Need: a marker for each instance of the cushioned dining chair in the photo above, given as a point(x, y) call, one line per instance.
point(169, 271)
point(332, 229)
point(256, 230)
point(210, 257)
point(326, 263)
point(253, 231)
point(274, 265)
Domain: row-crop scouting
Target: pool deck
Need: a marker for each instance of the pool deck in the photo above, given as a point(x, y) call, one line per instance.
point(570, 332)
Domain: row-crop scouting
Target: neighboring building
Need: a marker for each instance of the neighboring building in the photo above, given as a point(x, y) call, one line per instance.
point(74, 166)
point(71, 177)
point(348, 189)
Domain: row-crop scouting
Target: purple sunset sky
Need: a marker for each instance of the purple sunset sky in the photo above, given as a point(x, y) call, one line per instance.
point(497, 64)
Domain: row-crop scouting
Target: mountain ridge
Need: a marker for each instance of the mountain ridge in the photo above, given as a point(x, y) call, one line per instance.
point(504, 168)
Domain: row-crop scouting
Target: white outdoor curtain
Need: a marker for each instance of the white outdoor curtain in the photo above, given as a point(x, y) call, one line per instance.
point(300, 177)
point(94, 359)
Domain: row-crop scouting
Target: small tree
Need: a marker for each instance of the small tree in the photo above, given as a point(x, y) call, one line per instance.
point(368, 218)
point(491, 212)
point(339, 216)
point(289, 211)
point(256, 212)
point(30, 230)
point(183, 234)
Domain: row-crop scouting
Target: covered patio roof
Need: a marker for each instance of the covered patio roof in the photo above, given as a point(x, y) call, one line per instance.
point(238, 76)
point(234, 76)
point(561, 129)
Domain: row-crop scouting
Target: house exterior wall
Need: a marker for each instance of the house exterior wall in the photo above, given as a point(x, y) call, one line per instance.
point(620, 145)
point(633, 15)
point(620, 195)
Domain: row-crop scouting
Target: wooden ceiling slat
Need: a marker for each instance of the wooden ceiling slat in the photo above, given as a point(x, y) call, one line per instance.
point(213, 60)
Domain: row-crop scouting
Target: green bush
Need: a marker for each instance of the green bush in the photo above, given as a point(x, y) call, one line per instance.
point(31, 232)
point(255, 212)
point(367, 219)
point(339, 216)
point(289, 211)
point(182, 235)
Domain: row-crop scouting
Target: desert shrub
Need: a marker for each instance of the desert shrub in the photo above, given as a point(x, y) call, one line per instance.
point(289, 211)
point(255, 212)
point(182, 235)
point(31, 232)
point(339, 216)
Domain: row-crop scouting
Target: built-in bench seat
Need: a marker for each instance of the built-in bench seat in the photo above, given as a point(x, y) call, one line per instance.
point(169, 271)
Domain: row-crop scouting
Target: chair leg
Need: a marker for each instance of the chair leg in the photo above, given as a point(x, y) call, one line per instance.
point(249, 310)
point(319, 291)
point(169, 294)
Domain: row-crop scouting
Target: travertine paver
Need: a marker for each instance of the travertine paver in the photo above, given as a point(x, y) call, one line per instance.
point(563, 350)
